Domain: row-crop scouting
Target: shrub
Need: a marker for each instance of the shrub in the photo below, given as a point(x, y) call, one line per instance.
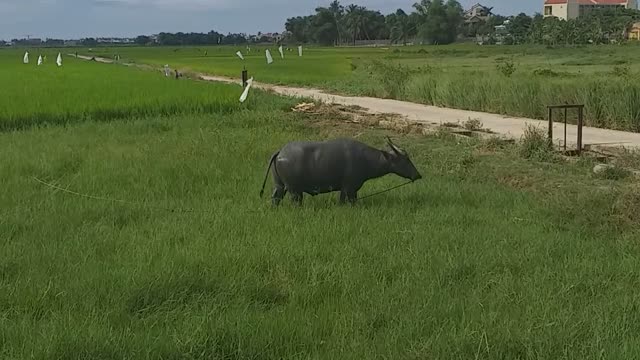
point(535, 144)
point(506, 67)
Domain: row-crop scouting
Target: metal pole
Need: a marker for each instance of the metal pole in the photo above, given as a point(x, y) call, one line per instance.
point(245, 77)
point(565, 129)
point(580, 123)
point(550, 126)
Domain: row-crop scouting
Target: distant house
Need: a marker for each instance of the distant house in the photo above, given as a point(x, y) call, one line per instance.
point(264, 38)
point(500, 34)
point(634, 32)
point(477, 13)
point(571, 9)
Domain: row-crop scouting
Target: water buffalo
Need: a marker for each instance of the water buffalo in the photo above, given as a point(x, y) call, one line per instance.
point(335, 165)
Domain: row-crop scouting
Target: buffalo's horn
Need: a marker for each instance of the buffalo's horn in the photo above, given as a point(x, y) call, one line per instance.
point(394, 147)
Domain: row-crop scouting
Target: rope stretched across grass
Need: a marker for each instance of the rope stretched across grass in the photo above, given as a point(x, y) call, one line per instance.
point(159, 208)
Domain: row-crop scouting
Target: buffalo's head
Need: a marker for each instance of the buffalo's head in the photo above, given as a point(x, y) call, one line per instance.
point(400, 164)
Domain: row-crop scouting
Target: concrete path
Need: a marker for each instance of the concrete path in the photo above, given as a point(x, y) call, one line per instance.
point(512, 127)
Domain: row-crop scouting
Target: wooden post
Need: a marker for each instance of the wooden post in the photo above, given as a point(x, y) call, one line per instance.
point(245, 77)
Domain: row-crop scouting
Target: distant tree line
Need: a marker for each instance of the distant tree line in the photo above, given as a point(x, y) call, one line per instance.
point(442, 22)
point(47, 42)
point(434, 22)
point(429, 22)
point(210, 38)
point(599, 26)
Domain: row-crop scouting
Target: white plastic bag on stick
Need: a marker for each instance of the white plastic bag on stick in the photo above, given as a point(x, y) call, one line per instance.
point(59, 60)
point(281, 51)
point(26, 58)
point(240, 55)
point(300, 50)
point(269, 58)
point(245, 93)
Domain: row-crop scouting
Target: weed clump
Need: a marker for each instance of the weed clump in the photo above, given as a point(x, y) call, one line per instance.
point(621, 71)
point(494, 143)
point(545, 72)
point(613, 173)
point(392, 78)
point(506, 67)
point(627, 206)
point(473, 124)
point(535, 145)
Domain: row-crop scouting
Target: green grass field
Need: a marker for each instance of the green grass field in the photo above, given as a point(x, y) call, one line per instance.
point(491, 256)
point(604, 78)
point(77, 91)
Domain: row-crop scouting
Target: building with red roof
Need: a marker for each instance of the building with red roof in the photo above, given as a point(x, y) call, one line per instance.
point(571, 9)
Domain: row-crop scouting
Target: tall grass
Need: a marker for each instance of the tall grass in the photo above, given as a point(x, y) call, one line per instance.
point(610, 102)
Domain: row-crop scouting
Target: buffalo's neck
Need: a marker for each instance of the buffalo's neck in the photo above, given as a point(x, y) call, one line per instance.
point(379, 165)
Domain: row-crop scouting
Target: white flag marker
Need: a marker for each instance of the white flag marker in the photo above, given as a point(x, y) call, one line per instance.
point(245, 93)
point(281, 51)
point(39, 60)
point(300, 50)
point(240, 55)
point(269, 58)
point(26, 58)
point(59, 60)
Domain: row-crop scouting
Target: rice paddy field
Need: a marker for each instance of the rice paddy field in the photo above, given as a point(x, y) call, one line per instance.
point(511, 80)
point(495, 254)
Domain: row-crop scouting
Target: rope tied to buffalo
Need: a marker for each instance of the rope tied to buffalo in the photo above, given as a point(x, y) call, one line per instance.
point(160, 208)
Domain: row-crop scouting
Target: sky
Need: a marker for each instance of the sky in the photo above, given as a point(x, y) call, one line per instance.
point(72, 19)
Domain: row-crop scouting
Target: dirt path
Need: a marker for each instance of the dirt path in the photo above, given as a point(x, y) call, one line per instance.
point(512, 127)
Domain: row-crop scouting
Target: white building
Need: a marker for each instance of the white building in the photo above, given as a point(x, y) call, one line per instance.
point(571, 9)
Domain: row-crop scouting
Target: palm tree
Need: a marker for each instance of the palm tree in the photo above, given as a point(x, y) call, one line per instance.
point(337, 10)
point(422, 8)
point(400, 27)
point(356, 20)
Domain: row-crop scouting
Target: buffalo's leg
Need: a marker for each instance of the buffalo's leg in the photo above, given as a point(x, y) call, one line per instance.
point(343, 197)
point(280, 189)
point(297, 198)
point(352, 197)
point(278, 194)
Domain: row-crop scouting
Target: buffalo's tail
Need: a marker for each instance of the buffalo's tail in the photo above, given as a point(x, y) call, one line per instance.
point(266, 176)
